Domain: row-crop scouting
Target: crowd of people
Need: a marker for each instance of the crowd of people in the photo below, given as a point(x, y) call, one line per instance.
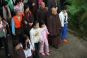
point(33, 27)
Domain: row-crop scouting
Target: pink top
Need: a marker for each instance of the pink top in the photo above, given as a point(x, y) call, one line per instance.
point(44, 32)
point(39, 1)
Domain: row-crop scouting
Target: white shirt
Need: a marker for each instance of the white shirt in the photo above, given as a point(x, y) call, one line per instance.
point(29, 51)
point(35, 38)
point(62, 18)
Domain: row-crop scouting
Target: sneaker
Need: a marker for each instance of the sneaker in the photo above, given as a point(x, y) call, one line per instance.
point(2, 48)
point(47, 53)
point(43, 54)
point(65, 41)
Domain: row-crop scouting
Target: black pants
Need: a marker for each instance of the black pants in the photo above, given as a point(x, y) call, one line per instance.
point(4, 42)
point(18, 37)
point(35, 53)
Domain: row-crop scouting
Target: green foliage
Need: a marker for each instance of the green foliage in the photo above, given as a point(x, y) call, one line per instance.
point(78, 15)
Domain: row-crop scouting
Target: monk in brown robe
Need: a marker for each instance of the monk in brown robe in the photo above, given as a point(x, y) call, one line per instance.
point(34, 7)
point(54, 28)
point(42, 13)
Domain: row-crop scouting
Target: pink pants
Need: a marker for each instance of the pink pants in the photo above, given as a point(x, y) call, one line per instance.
point(46, 48)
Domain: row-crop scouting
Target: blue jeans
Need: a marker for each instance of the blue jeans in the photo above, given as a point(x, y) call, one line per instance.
point(63, 32)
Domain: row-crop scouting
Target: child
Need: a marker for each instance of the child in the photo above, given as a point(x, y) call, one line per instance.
point(3, 36)
point(63, 18)
point(26, 44)
point(35, 37)
point(44, 33)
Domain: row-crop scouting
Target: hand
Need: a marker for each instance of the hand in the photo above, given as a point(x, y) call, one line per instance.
point(33, 4)
point(5, 25)
point(25, 22)
point(41, 43)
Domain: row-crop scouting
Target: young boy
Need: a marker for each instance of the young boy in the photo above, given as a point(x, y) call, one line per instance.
point(63, 18)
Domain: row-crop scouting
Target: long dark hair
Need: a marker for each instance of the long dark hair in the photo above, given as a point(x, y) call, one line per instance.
point(24, 44)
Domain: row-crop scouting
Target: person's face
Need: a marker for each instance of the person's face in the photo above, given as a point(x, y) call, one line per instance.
point(18, 13)
point(64, 11)
point(17, 47)
point(54, 11)
point(42, 5)
point(27, 40)
point(36, 26)
point(43, 25)
point(27, 9)
point(0, 19)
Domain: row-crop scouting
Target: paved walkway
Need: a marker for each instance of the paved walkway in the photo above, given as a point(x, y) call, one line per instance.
point(75, 48)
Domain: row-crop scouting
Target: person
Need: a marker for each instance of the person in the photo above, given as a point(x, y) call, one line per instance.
point(54, 28)
point(10, 4)
point(17, 51)
point(42, 13)
point(44, 33)
point(53, 3)
point(3, 37)
point(16, 25)
point(39, 1)
point(35, 37)
point(28, 19)
point(20, 5)
point(63, 18)
point(27, 46)
point(34, 7)
point(6, 12)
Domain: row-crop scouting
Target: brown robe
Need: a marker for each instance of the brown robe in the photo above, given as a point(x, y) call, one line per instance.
point(42, 15)
point(28, 17)
point(14, 55)
point(34, 8)
point(54, 25)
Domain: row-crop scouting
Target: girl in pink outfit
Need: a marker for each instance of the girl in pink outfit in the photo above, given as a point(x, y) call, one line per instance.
point(44, 33)
point(39, 1)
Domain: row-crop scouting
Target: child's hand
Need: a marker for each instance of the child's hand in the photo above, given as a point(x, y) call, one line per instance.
point(33, 49)
point(41, 43)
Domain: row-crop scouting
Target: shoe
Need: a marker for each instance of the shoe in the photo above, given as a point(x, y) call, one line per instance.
point(65, 41)
point(2, 48)
point(47, 53)
point(43, 54)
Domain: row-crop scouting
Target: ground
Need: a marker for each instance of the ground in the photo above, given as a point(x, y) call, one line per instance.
point(75, 48)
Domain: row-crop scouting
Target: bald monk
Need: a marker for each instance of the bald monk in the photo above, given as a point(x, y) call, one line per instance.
point(42, 13)
point(54, 28)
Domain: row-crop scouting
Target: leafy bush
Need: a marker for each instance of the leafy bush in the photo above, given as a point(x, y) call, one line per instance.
point(78, 16)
